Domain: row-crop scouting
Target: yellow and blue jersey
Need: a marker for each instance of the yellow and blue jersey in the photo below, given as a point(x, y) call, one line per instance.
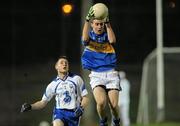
point(99, 55)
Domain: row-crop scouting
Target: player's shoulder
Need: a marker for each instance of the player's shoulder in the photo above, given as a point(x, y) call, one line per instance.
point(76, 78)
point(53, 82)
point(55, 79)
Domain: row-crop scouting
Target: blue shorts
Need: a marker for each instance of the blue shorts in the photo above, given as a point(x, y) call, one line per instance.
point(66, 116)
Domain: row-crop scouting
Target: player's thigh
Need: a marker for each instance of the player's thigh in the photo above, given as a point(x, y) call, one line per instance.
point(100, 95)
point(58, 122)
point(113, 96)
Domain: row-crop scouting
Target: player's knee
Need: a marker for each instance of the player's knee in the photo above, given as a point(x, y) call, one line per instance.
point(114, 105)
point(101, 103)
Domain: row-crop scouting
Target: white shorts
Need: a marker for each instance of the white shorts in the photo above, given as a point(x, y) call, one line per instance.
point(108, 79)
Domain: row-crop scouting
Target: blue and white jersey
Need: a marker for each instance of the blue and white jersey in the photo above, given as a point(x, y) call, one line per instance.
point(99, 55)
point(68, 92)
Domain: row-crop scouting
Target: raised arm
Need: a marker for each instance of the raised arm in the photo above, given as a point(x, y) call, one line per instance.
point(110, 32)
point(86, 27)
point(85, 31)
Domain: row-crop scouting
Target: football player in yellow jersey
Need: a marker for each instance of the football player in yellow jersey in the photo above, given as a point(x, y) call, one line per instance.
point(99, 57)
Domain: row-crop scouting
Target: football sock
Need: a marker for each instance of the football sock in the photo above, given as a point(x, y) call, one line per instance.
point(116, 122)
point(103, 122)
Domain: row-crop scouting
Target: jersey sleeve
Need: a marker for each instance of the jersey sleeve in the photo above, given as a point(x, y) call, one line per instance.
point(49, 93)
point(83, 90)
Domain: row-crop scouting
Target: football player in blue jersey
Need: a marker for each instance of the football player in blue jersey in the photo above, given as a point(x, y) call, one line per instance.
point(70, 95)
point(100, 58)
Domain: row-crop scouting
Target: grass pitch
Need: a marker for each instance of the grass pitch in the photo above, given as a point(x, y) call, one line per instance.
point(159, 124)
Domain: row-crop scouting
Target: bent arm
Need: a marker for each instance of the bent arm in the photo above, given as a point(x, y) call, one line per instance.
point(85, 101)
point(39, 105)
point(110, 33)
point(85, 31)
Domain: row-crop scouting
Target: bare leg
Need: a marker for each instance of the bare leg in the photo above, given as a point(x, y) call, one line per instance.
point(101, 100)
point(58, 122)
point(113, 96)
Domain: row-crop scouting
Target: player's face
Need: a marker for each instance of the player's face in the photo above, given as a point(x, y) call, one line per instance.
point(98, 26)
point(62, 65)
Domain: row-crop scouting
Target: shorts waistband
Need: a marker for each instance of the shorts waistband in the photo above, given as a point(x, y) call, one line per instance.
point(70, 110)
point(103, 71)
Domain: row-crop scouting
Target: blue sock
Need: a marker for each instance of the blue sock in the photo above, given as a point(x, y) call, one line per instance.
point(116, 122)
point(103, 122)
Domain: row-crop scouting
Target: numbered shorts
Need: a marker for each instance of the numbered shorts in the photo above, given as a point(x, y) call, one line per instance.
point(108, 79)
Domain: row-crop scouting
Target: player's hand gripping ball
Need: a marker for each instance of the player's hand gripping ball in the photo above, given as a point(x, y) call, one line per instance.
point(26, 107)
point(106, 20)
point(90, 14)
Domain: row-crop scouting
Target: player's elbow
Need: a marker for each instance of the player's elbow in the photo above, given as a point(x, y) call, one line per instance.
point(112, 41)
point(85, 38)
point(85, 41)
point(43, 103)
point(85, 102)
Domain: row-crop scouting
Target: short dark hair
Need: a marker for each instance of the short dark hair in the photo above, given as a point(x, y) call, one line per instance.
point(63, 57)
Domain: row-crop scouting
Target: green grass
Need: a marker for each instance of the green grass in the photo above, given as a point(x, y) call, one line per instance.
point(159, 124)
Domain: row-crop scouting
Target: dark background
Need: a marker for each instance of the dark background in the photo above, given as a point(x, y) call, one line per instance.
point(34, 33)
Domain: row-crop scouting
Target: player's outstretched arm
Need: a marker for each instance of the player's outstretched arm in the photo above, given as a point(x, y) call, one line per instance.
point(39, 105)
point(35, 106)
point(26, 107)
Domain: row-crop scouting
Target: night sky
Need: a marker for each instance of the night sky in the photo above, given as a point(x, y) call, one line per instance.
point(37, 31)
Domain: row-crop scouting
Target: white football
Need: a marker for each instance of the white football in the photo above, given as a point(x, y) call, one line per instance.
point(100, 11)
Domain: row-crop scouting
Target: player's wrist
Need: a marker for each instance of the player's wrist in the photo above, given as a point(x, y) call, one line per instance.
point(87, 20)
point(79, 111)
point(82, 107)
point(26, 107)
point(106, 22)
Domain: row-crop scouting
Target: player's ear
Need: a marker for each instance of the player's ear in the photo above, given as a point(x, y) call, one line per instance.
point(55, 66)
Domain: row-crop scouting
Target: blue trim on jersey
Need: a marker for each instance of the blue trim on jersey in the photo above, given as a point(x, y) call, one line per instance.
point(83, 87)
point(56, 79)
point(65, 77)
point(45, 94)
point(53, 89)
point(56, 91)
point(56, 87)
point(71, 74)
point(74, 85)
